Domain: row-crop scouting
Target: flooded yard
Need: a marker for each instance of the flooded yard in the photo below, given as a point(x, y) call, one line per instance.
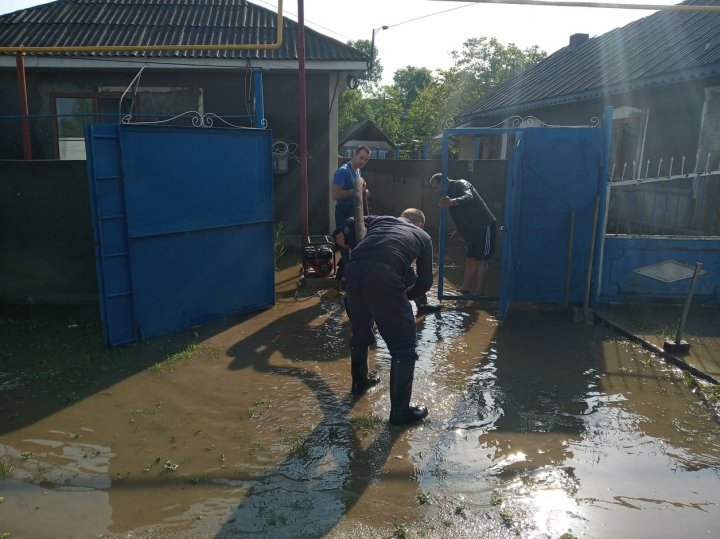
point(538, 427)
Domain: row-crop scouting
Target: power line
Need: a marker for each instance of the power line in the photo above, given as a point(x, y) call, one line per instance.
point(386, 26)
point(605, 5)
point(428, 15)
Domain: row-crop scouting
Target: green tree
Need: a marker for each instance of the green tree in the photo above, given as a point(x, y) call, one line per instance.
point(409, 81)
point(420, 104)
point(387, 111)
point(353, 108)
point(484, 64)
point(427, 115)
point(372, 76)
point(479, 67)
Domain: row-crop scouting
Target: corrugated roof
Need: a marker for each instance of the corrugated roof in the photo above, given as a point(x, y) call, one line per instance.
point(664, 47)
point(66, 23)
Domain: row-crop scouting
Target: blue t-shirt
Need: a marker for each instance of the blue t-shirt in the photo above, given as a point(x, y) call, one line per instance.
point(345, 178)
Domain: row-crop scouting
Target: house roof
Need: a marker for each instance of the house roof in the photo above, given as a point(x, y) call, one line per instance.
point(65, 23)
point(663, 48)
point(365, 131)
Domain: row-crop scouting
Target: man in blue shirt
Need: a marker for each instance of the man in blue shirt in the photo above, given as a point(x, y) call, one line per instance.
point(344, 183)
point(380, 283)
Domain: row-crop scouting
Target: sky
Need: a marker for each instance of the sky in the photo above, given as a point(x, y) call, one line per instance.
point(423, 33)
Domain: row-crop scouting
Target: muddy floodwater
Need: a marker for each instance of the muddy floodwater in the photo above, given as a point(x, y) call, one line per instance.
point(538, 427)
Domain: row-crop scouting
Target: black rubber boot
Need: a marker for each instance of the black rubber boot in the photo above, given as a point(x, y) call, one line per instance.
point(401, 380)
point(361, 380)
point(423, 307)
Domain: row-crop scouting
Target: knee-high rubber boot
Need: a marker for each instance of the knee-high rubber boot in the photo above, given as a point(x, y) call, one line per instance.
point(361, 380)
point(401, 380)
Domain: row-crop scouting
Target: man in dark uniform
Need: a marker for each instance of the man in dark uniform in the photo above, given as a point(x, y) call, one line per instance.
point(476, 226)
point(380, 283)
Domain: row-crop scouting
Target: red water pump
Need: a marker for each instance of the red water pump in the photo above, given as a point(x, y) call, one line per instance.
point(318, 256)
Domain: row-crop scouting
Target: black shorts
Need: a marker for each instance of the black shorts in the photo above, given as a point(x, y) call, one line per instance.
point(482, 246)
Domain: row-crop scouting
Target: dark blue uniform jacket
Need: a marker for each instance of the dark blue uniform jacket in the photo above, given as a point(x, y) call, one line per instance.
point(396, 242)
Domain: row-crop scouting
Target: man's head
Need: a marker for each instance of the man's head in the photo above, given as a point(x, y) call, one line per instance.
point(344, 237)
point(435, 182)
point(360, 157)
point(415, 216)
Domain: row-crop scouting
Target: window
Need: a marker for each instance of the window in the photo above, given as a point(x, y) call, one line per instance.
point(709, 147)
point(73, 113)
point(628, 141)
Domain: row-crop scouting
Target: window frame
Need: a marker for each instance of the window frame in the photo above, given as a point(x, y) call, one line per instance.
point(95, 96)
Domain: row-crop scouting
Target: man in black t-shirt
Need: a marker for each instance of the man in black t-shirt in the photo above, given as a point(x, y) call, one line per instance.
point(475, 224)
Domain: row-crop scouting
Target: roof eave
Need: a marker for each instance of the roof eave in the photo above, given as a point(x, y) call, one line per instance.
point(596, 93)
point(56, 62)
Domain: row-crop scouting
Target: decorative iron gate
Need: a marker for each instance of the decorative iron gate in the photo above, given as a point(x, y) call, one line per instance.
point(183, 224)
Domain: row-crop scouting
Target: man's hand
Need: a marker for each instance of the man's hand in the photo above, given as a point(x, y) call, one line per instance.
point(340, 240)
point(454, 235)
point(445, 202)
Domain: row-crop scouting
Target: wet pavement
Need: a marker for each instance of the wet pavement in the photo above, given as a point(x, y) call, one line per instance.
point(538, 427)
point(654, 324)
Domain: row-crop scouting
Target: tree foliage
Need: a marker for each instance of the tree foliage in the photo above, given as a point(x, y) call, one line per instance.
point(372, 76)
point(409, 81)
point(419, 103)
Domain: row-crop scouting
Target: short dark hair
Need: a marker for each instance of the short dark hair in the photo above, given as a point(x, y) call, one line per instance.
point(362, 147)
point(436, 178)
point(348, 230)
point(415, 216)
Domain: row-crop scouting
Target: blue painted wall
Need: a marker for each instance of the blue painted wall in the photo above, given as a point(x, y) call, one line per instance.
point(623, 254)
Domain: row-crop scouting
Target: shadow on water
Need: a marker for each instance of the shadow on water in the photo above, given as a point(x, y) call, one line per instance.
point(54, 357)
point(336, 459)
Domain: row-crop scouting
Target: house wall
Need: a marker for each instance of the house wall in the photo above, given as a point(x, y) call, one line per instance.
point(46, 242)
point(10, 134)
point(224, 93)
point(281, 108)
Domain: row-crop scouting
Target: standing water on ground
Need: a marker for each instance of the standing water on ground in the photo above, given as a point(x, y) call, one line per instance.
point(538, 427)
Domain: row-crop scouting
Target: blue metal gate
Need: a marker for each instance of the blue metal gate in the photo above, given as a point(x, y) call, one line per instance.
point(553, 224)
point(555, 195)
point(183, 224)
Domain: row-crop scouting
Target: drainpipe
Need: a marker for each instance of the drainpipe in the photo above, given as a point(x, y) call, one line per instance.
point(23, 105)
point(303, 117)
point(259, 99)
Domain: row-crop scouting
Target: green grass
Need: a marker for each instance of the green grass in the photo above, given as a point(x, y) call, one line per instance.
point(506, 517)
point(6, 468)
point(400, 531)
point(367, 423)
point(170, 362)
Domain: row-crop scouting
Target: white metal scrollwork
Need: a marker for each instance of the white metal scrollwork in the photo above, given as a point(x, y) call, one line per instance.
point(197, 119)
point(532, 121)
